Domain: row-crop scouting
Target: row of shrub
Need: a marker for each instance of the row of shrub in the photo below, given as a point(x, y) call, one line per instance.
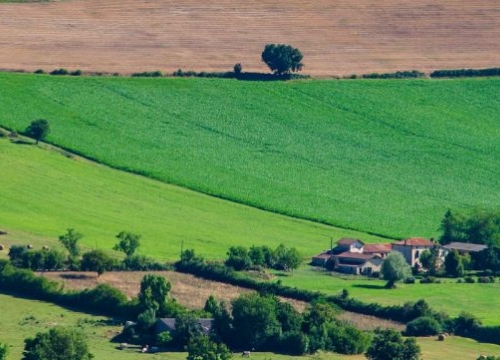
point(251, 76)
point(395, 75)
point(52, 260)
point(465, 73)
point(103, 299)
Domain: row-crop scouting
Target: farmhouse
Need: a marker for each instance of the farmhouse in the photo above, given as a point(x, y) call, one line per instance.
point(357, 263)
point(168, 324)
point(412, 248)
point(352, 256)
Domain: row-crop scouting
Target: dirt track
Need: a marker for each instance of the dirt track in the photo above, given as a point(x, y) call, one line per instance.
point(337, 37)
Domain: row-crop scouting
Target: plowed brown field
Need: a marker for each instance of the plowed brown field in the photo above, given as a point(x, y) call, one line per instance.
point(338, 37)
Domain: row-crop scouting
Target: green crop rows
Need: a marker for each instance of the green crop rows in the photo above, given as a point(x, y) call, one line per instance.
point(387, 157)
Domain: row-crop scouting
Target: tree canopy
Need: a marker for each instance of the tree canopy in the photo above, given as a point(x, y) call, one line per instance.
point(3, 351)
point(128, 242)
point(153, 293)
point(395, 268)
point(282, 59)
point(59, 343)
point(478, 227)
point(38, 129)
point(70, 242)
point(202, 348)
point(97, 260)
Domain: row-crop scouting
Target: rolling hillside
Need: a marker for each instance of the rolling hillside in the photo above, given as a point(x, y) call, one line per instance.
point(386, 157)
point(43, 193)
point(337, 37)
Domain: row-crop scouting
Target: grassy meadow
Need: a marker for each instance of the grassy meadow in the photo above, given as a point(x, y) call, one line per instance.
point(386, 157)
point(449, 296)
point(43, 193)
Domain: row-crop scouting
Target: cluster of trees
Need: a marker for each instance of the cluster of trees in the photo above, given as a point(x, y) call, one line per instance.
point(264, 323)
point(281, 258)
point(478, 227)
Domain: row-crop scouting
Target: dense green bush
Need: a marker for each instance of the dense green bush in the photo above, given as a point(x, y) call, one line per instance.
point(143, 263)
point(59, 72)
point(395, 75)
point(423, 326)
point(148, 74)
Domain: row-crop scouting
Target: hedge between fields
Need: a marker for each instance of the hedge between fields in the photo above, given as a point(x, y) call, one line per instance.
point(402, 313)
point(109, 301)
point(102, 300)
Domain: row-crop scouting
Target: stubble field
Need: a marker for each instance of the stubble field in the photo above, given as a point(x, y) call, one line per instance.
point(336, 37)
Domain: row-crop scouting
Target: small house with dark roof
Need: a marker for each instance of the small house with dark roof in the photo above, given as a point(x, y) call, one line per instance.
point(412, 248)
point(321, 259)
point(168, 324)
point(346, 244)
point(357, 263)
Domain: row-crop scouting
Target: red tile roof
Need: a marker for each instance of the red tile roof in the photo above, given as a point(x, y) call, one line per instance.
point(415, 241)
point(377, 248)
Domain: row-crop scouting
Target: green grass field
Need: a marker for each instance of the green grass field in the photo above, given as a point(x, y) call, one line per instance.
point(449, 296)
point(23, 318)
point(43, 193)
point(387, 157)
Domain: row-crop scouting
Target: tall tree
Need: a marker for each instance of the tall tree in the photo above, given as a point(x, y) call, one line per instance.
point(59, 343)
point(38, 129)
point(153, 293)
point(431, 259)
point(128, 243)
point(70, 242)
point(282, 59)
point(3, 351)
point(451, 227)
point(395, 268)
point(453, 264)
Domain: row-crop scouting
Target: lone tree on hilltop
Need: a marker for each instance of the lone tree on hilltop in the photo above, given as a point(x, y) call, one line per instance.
point(38, 129)
point(282, 59)
point(395, 268)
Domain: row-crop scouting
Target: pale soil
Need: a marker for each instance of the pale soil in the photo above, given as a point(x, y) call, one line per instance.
point(336, 37)
point(191, 291)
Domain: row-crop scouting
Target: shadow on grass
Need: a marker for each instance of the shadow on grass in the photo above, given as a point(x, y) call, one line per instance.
point(77, 276)
point(370, 286)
